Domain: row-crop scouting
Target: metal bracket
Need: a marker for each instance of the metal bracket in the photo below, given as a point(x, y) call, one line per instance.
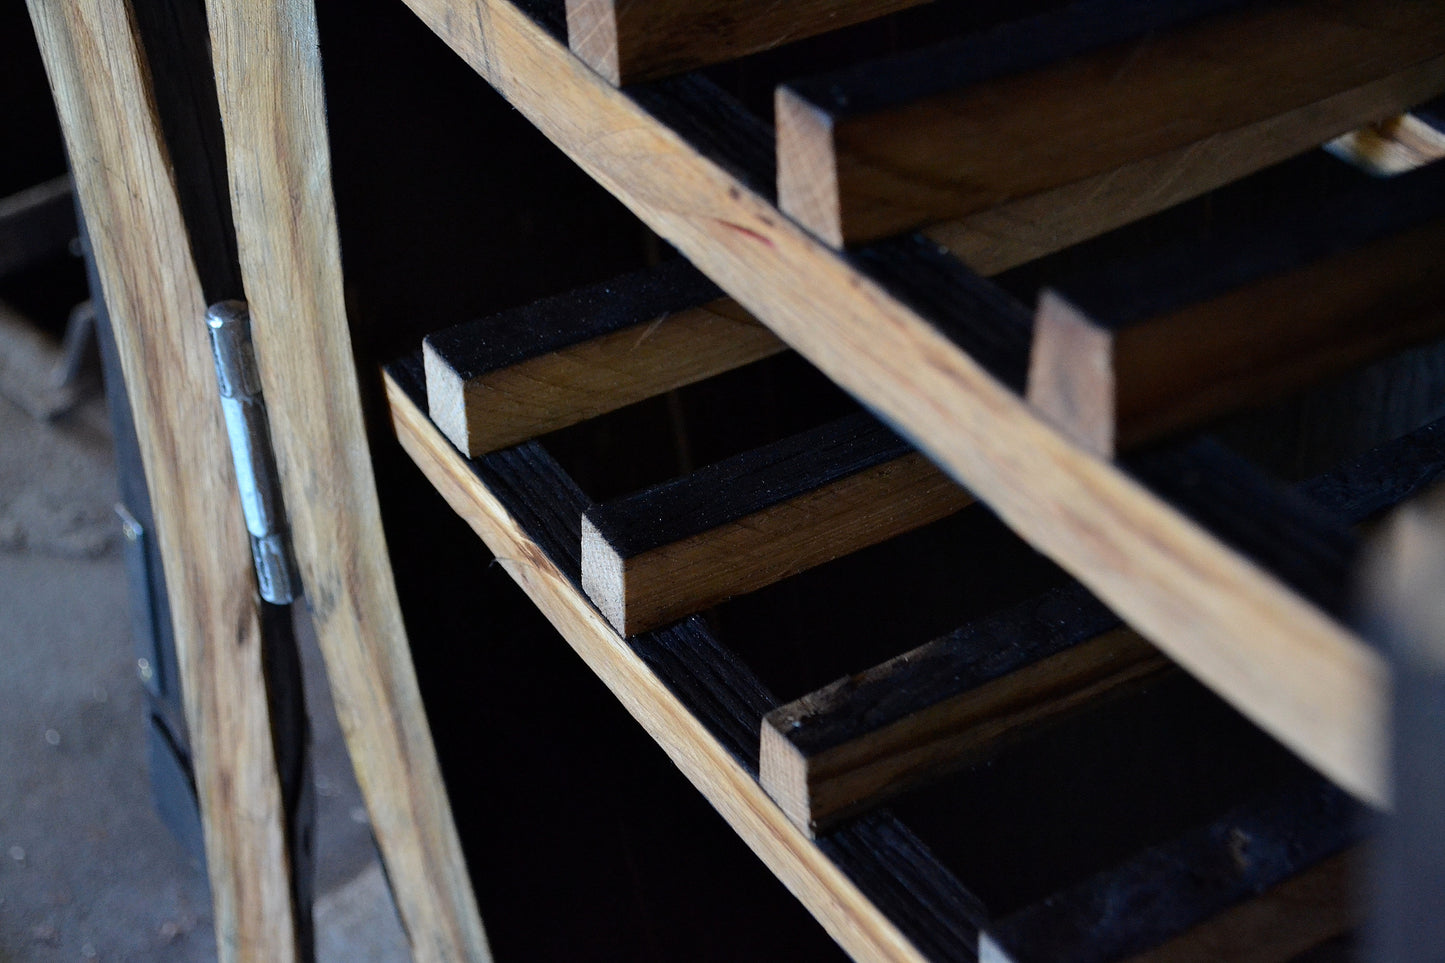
point(246, 424)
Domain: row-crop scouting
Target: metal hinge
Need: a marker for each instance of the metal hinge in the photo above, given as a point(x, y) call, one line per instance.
point(246, 424)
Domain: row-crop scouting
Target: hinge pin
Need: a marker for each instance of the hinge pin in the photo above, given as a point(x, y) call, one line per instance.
point(246, 424)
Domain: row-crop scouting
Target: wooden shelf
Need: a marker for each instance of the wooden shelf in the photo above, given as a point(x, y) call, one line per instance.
point(940, 354)
point(877, 887)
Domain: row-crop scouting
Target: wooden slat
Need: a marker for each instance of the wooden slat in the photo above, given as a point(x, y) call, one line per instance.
point(268, 75)
point(1394, 146)
point(846, 747)
point(1079, 93)
point(126, 187)
point(754, 519)
point(1296, 672)
point(36, 223)
point(1172, 338)
point(1264, 883)
point(873, 887)
point(627, 41)
point(503, 380)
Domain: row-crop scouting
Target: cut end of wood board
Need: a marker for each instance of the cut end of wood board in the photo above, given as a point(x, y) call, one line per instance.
point(604, 576)
point(592, 35)
point(807, 166)
point(783, 770)
point(1071, 374)
point(1391, 147)
point(446, 400)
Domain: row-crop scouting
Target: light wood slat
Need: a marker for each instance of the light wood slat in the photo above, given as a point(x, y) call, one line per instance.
point(154, 298)
point(506, 379)
point(755, 519)
point(1299, 674)
point(269, 77)
point(849, 916)
point(871, 153)
point(1179, 335)
point(1392, 147)
point(1266, 882)
point(847, 747)
point(627, 41)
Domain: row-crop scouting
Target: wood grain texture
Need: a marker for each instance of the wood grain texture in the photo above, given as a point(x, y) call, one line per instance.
point(153, 294)
point(981, 121)
point(627, 41)
point(852, 744)
point(503, 380)
point(269, 80)
point(1187, 332)
point(1298, 673)
point(755, 519)
point(1263, 882)
point(852, 885)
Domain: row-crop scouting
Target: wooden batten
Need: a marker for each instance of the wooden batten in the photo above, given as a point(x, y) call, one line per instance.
point(627, 41)
point(1392, 146)
point(849, 746)
point(738, 525)
point(1267, 882)
point(1089, 92)
point(1184, 334)
point(875, 888)
point(503, 380)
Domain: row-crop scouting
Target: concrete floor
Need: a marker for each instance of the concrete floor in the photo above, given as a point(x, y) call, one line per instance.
point(87, 871)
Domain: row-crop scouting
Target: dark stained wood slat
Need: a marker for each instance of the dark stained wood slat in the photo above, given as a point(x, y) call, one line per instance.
point(1177, 900)
point(845, 748)
point(1169, 339)
point(874, 886)
point(627, 41)
point(979, 122)
point(1304, 677)
point(751, 520)
point(503, 380)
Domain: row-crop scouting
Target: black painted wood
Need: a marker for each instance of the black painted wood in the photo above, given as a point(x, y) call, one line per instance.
point(886, 861)
point(1302, 533)
point(1167, 889)
point(475, 348)
point(1302, 545)
point(979, 316)
point(177, 48)
point(745, 484)
point(1163, 278)
point(971, 656)
point(1010, 48)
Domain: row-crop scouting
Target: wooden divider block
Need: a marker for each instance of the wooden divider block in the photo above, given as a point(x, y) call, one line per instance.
point(503, 380)
point(627, 41)
point(1164, 342)
point(845, 748)
point(1394, 146)
point(754, 519)
point(1265, 883)
point(1088, 90)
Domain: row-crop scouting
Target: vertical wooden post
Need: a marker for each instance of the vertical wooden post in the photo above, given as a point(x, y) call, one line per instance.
point(127, 190)
point(268, 74)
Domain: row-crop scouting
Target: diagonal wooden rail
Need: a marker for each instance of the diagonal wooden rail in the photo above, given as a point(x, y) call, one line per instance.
point(268, 74)
point(126, 186)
